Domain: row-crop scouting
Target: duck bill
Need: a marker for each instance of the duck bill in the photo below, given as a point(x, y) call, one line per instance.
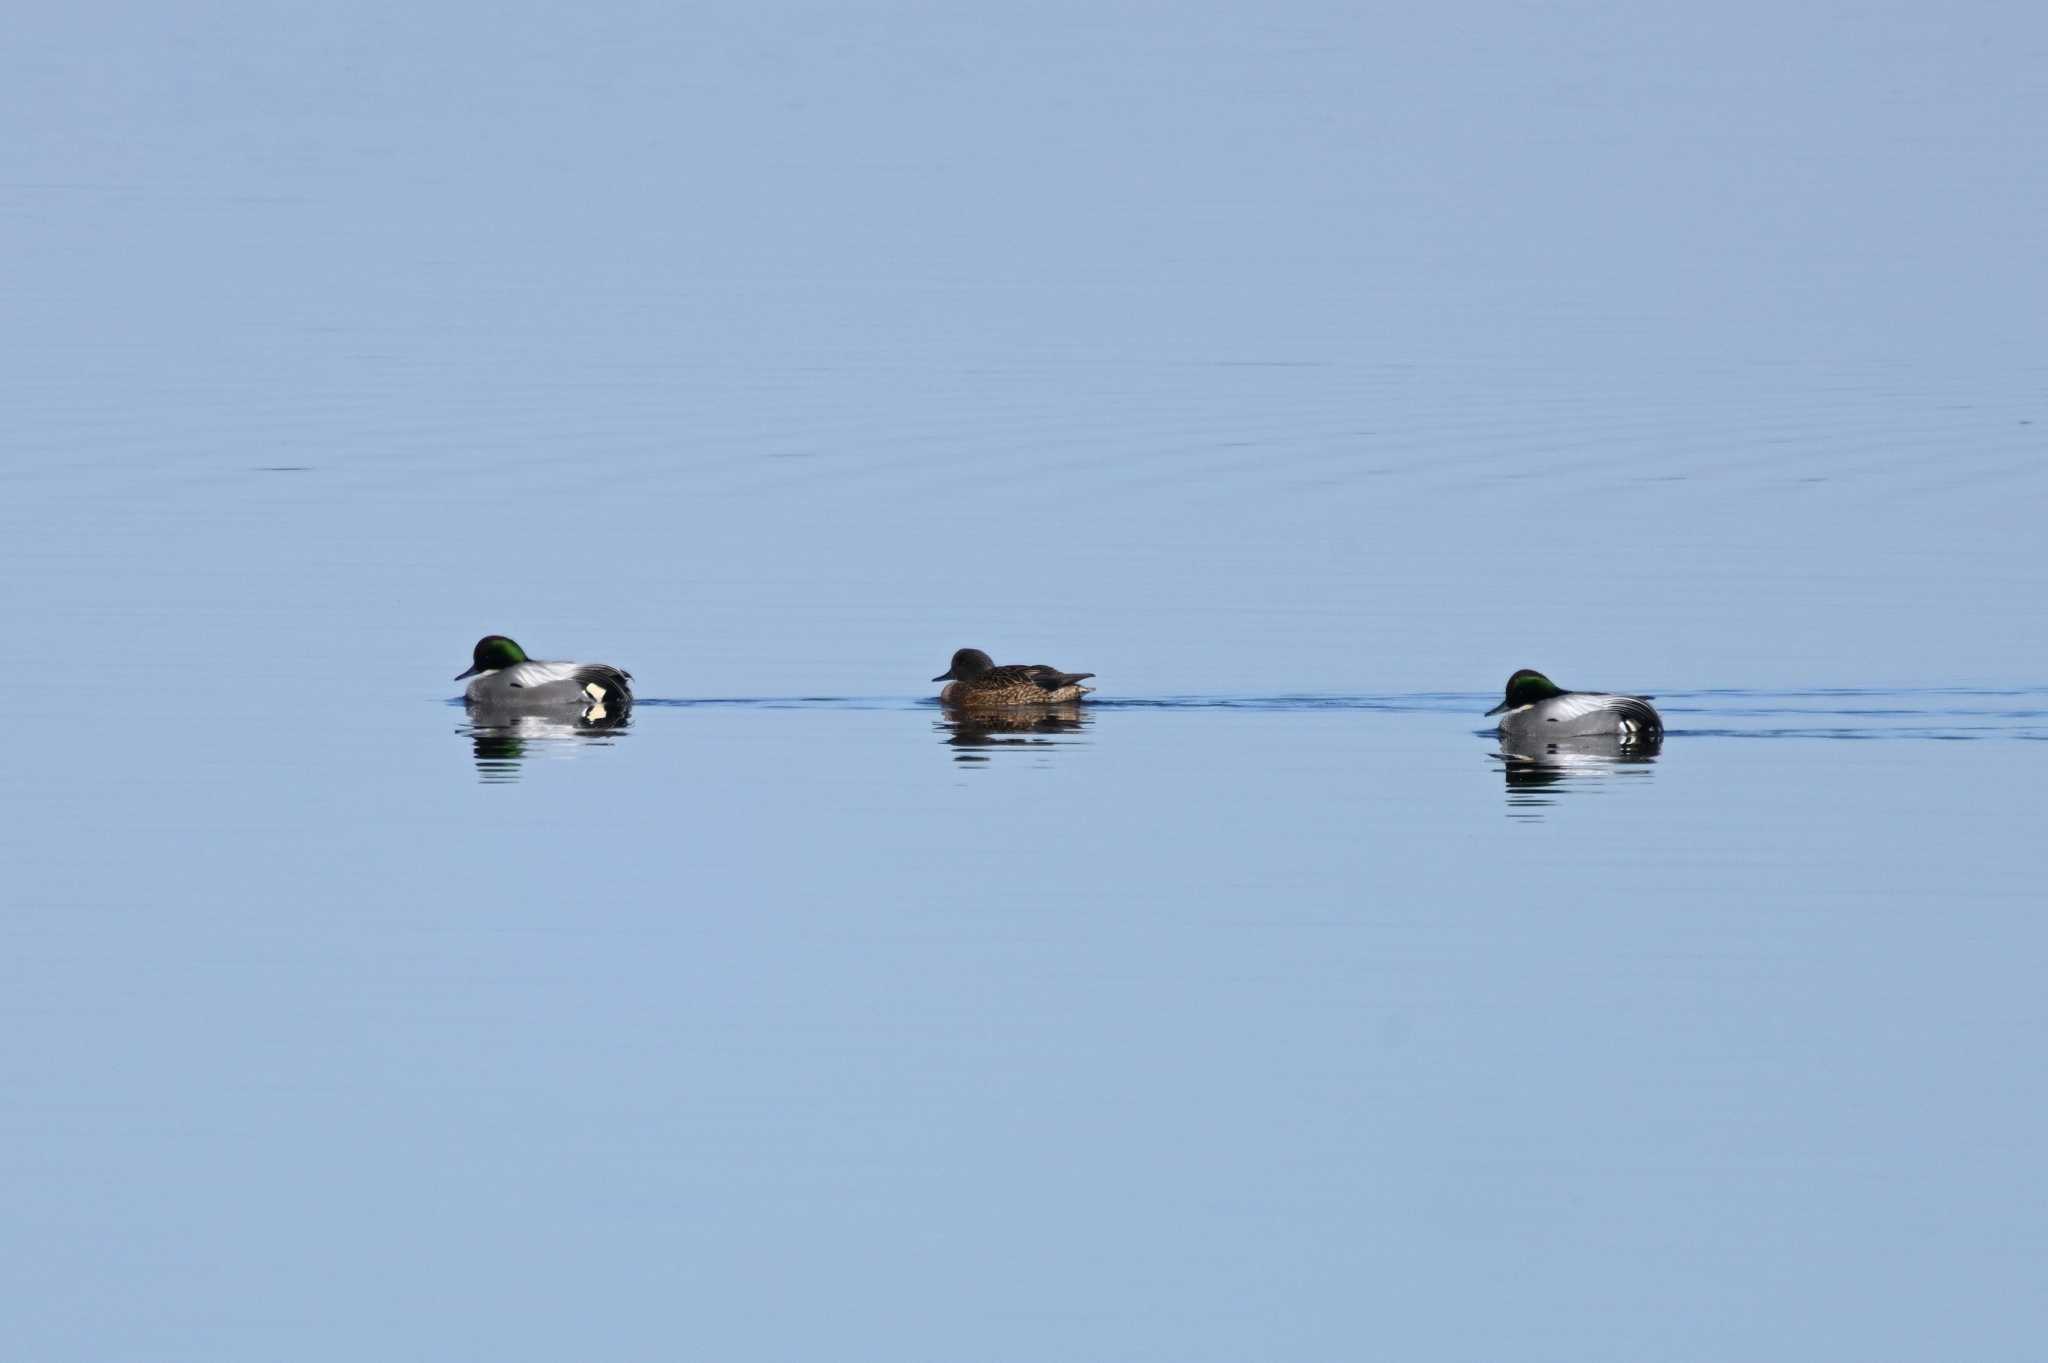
point(1501, 708)
point(944, 676)
point(473, 670)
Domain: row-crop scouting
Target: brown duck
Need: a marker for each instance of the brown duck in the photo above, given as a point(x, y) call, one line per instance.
point(975, 682)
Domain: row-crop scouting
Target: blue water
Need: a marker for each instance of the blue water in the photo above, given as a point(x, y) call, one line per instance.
point(1299, 371)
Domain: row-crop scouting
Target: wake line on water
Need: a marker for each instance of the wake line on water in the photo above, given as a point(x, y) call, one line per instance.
point(1952, 734)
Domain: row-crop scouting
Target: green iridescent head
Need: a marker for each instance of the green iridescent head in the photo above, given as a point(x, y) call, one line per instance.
point(493, 651)
point(1526, 688)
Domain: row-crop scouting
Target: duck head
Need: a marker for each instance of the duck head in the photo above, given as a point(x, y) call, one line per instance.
point(493, 651)
point(967, 663)
point(1527, 687)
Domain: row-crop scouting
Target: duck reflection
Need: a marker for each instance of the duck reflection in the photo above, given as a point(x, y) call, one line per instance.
point(1539, 774)
point(503, 737)
point(974, 734)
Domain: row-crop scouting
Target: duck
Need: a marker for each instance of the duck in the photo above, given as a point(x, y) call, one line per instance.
point(1535, 707)
point(503, 676)
point(974, 682)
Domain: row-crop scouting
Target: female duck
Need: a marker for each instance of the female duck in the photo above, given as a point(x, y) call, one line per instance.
point(974, 681)
point(505, 676)
point(1536, 707)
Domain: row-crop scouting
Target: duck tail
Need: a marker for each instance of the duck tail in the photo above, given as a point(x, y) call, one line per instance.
point(614, 687)
point(1639, 716)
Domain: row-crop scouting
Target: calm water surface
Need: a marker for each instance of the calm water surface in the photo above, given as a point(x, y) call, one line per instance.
point(1299, 372)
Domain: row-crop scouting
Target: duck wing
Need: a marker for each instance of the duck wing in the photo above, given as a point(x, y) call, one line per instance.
point(1634, 712)
point(1009, 674)
point(1052, 679)
point(532, 674)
